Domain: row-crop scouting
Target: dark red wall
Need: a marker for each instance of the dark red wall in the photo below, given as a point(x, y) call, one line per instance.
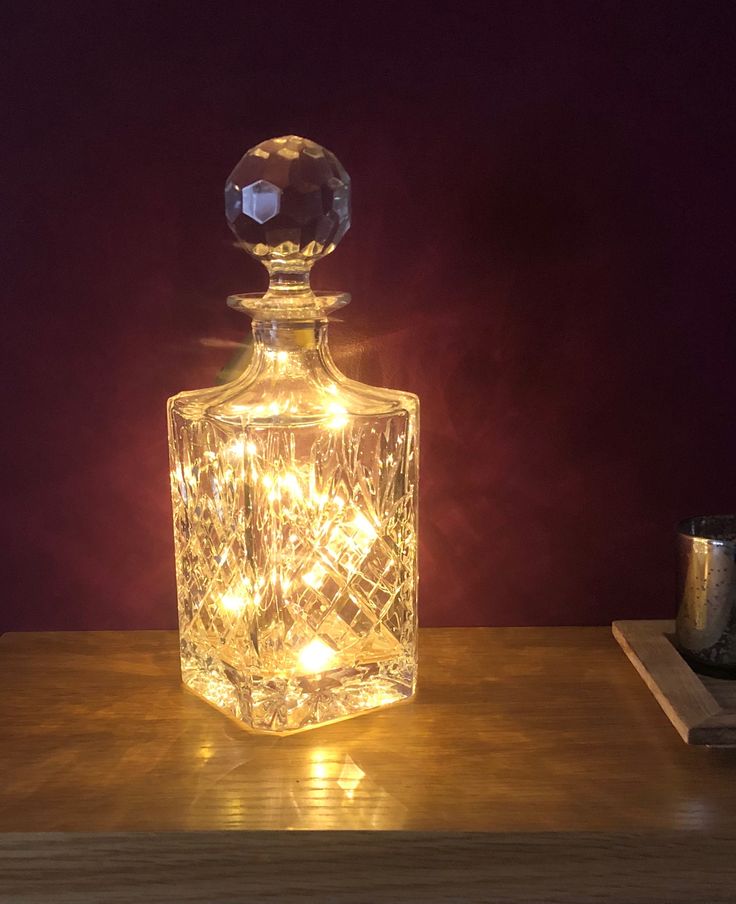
point(542, 249)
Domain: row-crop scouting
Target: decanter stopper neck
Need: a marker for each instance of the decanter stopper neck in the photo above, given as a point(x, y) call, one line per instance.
point(288, 281)
point(288, 203)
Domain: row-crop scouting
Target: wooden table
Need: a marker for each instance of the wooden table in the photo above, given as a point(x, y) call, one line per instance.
point(534, 766)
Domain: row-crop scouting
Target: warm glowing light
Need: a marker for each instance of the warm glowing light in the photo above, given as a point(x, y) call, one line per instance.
point(314, 577)
point(294, 492)
point(237, 601)
point(233, 602)
point(350, 777)
point(237, 448)
point(338, 416)
point(316, 655)
point(277, 355)
point(364, 526)
point(290, 482)
point(350, 541)
point(318, 767)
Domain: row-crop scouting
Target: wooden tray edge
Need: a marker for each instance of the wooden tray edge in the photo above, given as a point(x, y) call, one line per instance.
point(696, 715)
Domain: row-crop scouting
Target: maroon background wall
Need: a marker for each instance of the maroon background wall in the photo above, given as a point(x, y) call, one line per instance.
point(542, 249)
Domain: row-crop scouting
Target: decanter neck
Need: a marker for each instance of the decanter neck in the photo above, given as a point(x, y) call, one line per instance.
point(290, 349)
point(290, 337)
point(285, 281)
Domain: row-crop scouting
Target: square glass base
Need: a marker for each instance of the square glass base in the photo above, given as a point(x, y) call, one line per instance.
point(276, 704)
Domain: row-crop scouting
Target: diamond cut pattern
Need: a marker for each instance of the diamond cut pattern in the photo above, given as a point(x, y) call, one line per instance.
point(286, 536)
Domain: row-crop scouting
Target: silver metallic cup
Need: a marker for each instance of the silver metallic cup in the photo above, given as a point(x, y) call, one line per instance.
point(706, 593)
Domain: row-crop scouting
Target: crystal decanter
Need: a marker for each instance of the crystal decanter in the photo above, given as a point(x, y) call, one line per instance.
point(294, 488)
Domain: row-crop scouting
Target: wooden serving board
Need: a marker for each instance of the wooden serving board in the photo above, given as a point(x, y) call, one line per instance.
point(702, 709)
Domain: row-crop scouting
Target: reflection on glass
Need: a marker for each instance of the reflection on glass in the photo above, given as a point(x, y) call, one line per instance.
point(294, 488)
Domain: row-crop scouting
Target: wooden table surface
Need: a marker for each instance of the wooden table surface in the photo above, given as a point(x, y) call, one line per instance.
point(534, 765)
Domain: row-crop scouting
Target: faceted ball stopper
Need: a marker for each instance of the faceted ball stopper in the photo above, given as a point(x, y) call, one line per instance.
point(288, 203)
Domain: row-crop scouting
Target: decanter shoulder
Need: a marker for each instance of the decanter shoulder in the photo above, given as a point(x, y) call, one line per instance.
point(378, 399)
point(258, 400)
point(196, 403)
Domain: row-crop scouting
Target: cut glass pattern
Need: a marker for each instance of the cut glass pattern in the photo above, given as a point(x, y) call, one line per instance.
point(288, 198)
point(295, 504)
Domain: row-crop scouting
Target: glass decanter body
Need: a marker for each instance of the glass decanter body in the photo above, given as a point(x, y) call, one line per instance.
point(295, 515)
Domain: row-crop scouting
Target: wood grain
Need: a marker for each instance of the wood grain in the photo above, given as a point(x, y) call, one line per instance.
point(368, 867)
point(535, 756)
point(702, 709)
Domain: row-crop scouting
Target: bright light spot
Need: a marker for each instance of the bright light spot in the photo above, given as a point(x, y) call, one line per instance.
point(233, 602)
point(282, 356)
point(267, 481)
point(350, 777)
point(274, 408)
point(315, 656)
point(350, 541)
point(236, 602)
point(338, 416)
point(314, 577)
point(291, 482)
point(362, 524)
point(339, 502)
point(237, 448)
point(319, 767)
point(250, 448)
point(332, 389)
